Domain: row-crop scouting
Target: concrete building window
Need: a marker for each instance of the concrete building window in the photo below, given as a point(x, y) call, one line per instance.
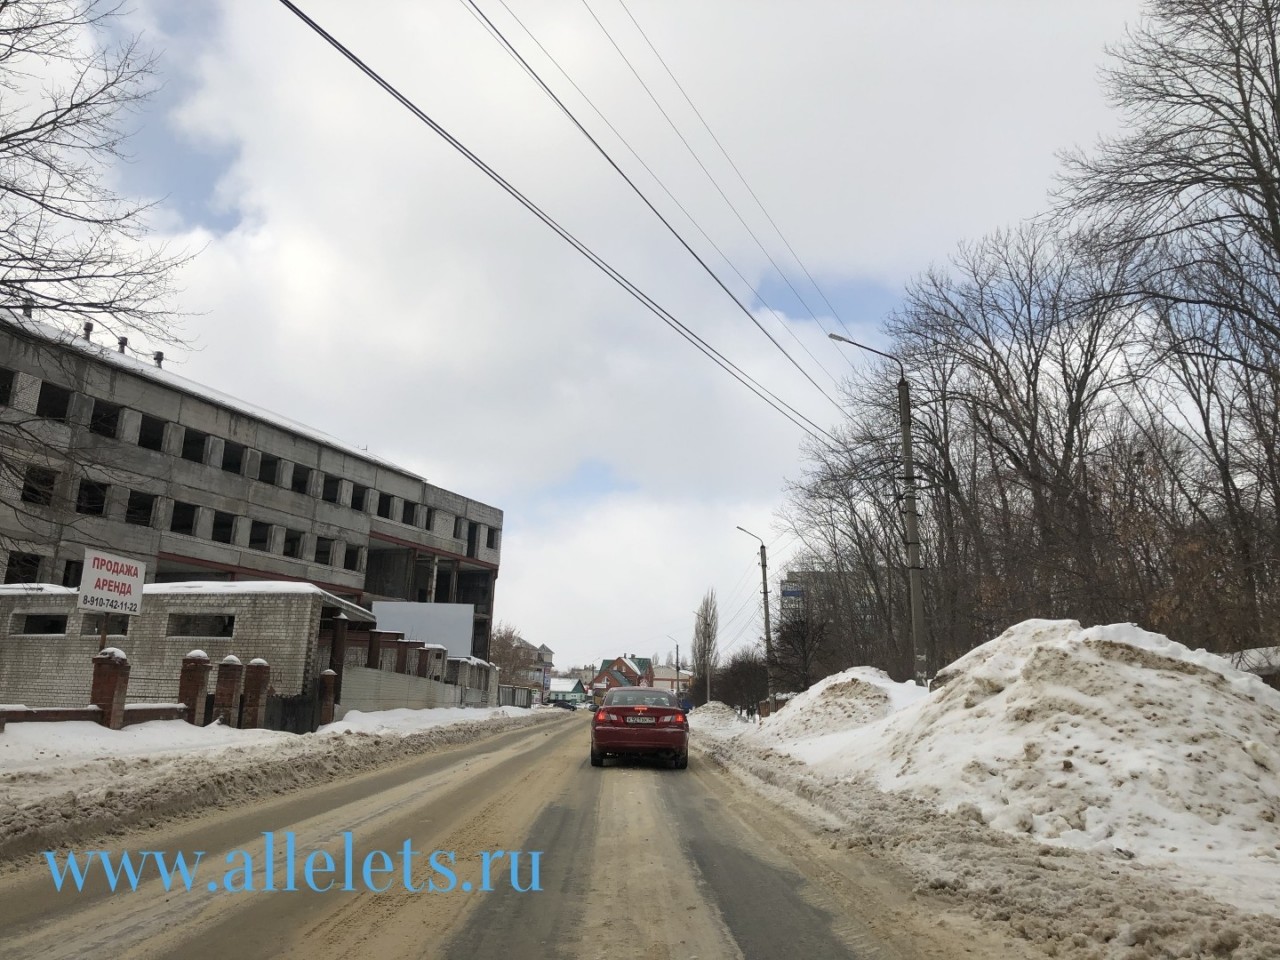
point(331, 489)
point(184, 518)
point(429, 520)
point(54, 402)
point(140, 508)
point(105, 419)
point(359, 495)
point(324, 550)
point(352, 560)
point(22, 568)
point(259, 535)
point(384, 505)
point(269, 469)
point(224, 526)
point(459, 527)
point(72, 571)
point(293, 543)
point(201, 625)
point(37, 486)
point(408, 514)
point(151, 433)
point(194, 443)
point(41, 624)
point(91, 498)
point(301, 478)
point(233, 457)
point(491, 539)
point(117, 624)
point(6, 386)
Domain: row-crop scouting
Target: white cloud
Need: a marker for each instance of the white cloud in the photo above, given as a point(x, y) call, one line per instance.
point(382, 290)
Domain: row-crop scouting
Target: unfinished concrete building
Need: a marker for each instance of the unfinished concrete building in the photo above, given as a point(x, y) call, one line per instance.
point(101, 449)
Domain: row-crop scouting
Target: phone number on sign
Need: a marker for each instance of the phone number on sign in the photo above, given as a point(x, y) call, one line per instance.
point(106, 603)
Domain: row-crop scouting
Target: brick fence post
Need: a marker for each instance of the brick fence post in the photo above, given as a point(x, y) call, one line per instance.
point(424, 662)
point(373, 656)
point(328, 682)
point(402, 656)
point(338, 652)
point(193, 685)
point(226, 691)
point(257, 676)
point(110, 686)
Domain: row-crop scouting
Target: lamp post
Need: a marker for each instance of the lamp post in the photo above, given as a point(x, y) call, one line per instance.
point(764, 593)
point(910, 515)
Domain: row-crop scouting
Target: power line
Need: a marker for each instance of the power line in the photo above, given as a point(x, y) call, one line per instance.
point(728, 366)
point(475, 12)
point(778, 230)
point(646, 201)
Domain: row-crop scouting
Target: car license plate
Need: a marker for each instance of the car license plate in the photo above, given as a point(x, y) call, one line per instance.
point(640, 720)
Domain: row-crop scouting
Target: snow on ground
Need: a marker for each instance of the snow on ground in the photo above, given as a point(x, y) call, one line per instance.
point(1058, 778)
point(63, 781)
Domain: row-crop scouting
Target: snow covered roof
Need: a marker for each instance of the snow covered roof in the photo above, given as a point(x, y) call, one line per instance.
point(565, 684)
point(207, 587)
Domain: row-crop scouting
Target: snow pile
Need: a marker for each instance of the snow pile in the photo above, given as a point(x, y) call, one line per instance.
point(714, 717)
point(405, 720)
point(1110, 739)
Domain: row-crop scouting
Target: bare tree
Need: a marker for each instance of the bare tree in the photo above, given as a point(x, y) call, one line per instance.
point(514, 656)
point(705, 656)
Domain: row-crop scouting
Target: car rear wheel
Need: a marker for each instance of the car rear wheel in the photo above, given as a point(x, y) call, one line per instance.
point(597, 759)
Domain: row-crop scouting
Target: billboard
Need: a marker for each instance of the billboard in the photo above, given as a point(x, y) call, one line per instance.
point(111, 584)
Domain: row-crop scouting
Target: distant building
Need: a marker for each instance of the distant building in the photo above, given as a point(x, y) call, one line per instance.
point(625, 671)
point(666, 678)
point(567, 688)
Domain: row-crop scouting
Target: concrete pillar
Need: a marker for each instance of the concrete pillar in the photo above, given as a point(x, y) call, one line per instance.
point(193, 685)
point(226, 692)
point(110, 686)
point(257, 677)
point(214, 448)
point(328, 684)
point(373, 656)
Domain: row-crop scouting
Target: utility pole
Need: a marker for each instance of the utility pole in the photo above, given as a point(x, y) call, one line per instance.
point(764, 593)
point(910, 516)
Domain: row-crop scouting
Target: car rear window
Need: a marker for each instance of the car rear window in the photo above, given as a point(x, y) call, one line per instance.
point(637, 698)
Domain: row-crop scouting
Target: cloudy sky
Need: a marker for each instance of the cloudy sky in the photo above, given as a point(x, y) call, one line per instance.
point(358, 274)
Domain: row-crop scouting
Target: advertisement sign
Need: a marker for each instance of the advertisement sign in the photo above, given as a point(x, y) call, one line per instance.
point(111, 584)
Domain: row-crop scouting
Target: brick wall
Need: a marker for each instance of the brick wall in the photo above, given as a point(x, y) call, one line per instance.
point(55, 670)
point(365, 689)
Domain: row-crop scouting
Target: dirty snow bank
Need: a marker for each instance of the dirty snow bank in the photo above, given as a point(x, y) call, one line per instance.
point(1059, 779)
point(63, 782)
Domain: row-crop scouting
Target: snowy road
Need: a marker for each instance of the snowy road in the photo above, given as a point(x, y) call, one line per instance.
point(674, 864)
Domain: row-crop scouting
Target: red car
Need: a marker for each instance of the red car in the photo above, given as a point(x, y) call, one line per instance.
point(640, 722)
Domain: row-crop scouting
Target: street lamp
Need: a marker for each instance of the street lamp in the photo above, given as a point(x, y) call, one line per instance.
point(764, 592)
point(911, 516)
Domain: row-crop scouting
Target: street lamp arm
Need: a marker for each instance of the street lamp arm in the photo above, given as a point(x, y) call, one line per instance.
point(888, 356)
point(750, 534)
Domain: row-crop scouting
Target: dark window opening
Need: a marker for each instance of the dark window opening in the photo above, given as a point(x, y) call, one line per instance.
point(359, 495)
point(117, 624)
point(44, 623)
point(201, 625)
point(194, 443)
point(473, 538)
point(233, 457)
point(384, 505)
point(269, 469)
point(140, 508)
point(491, 539)
point(92, 498)
point(224, 526)
point(430, 520)
point(459, 527)
point(37, 486)
point(331, 489)
point(22, 568)
point(105, 419)
point(352, 560)
point(184, 518)
point(324, 550)
point(151, 433)
point(293, 543)
point(409, 513)
point(301, 479)
point(54, 402)
point(72, 571)
point(7, 378)
point(259, 535)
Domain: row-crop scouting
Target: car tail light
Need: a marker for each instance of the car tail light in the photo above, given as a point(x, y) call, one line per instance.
point(676, 718)
point(601, 716)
